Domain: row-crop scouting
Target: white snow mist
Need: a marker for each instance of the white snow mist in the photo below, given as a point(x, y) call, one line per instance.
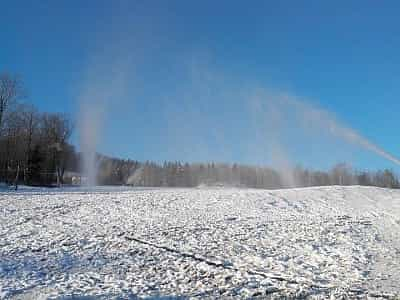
point(90, 124)
point(308, 119)
point(104, 86)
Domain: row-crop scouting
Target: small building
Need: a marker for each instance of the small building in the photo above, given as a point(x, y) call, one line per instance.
point(74, 178)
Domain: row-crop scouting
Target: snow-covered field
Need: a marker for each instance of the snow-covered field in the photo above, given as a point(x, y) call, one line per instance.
point(206, 243)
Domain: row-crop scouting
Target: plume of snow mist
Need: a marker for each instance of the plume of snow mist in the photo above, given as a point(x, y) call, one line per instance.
point(136, 177)
point(105, 84)
point(312, 120)
point(90, 123)
point(355, 138)
point(327, 121)
point(235, 120)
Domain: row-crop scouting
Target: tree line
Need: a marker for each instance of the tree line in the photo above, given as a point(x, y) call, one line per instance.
point(177, 174)
point(34, 146)
point(35, 150)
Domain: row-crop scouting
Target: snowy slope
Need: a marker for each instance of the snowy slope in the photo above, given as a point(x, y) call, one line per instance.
point(206, 243)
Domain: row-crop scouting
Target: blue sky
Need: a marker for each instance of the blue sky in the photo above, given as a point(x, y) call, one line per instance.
point(189, 69)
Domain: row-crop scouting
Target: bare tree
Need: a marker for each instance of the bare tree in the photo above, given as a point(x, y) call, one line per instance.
point(10, 91)
point(31, 119)
point(57, 130)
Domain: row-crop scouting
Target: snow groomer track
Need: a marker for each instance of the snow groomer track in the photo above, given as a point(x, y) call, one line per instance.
point(107, 243)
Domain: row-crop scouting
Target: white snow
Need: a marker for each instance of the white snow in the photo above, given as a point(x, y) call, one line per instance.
point(123, 243)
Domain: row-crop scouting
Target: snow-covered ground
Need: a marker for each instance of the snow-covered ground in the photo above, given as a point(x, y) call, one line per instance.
point(206, 243)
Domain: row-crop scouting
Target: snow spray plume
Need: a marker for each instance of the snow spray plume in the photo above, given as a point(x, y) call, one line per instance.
point(136, 177)
point(275, 128)
point(310, 118)
point(355, 138)
point(326, 120)
point(105, 85)
point(91, 120)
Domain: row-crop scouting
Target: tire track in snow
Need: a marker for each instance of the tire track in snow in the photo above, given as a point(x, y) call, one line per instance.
point(230, 266)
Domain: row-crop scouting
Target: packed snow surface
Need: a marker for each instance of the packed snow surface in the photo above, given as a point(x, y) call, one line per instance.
point(109, 243)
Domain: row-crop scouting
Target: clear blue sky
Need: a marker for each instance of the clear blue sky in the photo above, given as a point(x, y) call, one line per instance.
point(341, 55)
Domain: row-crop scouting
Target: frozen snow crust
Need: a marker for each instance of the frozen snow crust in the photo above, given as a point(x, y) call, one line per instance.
point(122, 243)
